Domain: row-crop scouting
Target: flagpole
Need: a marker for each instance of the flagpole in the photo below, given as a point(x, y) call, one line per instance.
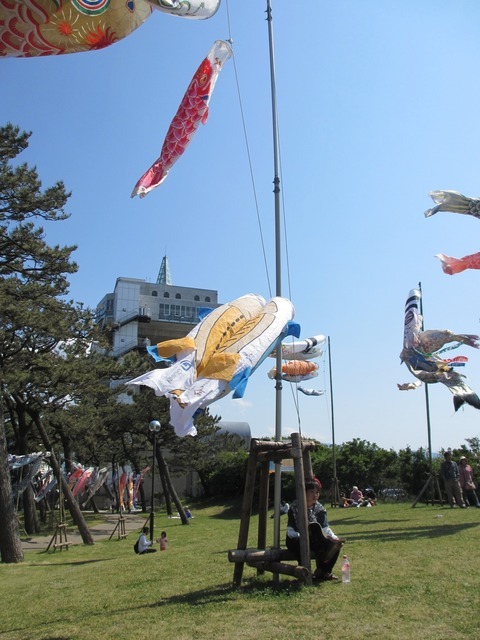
point(335, 496)
point(278, 279)
point(427, 403)
point(432, 480)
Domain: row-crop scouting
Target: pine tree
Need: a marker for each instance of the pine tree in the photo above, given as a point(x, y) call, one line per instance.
point(35, 316)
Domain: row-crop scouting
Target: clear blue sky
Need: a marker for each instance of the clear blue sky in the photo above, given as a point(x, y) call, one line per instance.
point(377, 104)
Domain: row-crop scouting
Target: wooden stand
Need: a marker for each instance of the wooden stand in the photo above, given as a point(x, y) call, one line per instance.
point(264, 452)
point(60, 533)
point(121, 528)
point(432, 490)
point(335, 494)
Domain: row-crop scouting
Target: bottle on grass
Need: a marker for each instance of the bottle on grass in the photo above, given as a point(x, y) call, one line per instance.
point(345, 569)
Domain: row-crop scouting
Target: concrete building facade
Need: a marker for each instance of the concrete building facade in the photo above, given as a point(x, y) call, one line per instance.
point(139, 313)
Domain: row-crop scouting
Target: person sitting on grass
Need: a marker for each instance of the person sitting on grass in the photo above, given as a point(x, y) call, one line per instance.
point(144, 545)
point(323, 542)
point(356, 496)
point(345, 502)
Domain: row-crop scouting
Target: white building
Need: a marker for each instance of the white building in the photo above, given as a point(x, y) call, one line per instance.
point(139, 313)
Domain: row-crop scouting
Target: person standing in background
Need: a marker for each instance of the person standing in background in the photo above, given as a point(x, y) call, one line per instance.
point(449, 472)
point(465, 477)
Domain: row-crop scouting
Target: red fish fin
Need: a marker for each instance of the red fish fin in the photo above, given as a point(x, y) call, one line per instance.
point(205, 117)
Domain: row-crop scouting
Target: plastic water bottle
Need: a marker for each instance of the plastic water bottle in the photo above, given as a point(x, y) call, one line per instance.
point(345, 569)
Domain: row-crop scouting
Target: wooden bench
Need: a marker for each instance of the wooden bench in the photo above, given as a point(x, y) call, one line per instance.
point(273, 560)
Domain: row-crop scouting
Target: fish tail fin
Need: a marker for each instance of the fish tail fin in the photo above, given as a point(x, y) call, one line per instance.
point(468, 398)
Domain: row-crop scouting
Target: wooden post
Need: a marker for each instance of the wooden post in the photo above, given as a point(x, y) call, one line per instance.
point(263, 504)
point(121, 528)
point(297, 455)
point(263, 507)
point(246, 511)
point(307, 464)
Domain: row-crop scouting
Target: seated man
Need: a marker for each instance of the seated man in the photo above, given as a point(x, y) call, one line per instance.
point(144, 545)
point(323, 542)
point(356, 496)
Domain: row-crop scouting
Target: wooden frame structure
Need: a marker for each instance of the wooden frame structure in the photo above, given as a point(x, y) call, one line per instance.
point(120, 526)
point(60, 533)
point(263, 559)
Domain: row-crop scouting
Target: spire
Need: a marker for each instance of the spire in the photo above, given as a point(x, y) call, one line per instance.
point(164, 276)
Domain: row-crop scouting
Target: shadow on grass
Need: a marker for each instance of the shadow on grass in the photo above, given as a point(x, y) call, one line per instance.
point(66, 564)
point(227, 592)
point(230, 512)
point(409, 533)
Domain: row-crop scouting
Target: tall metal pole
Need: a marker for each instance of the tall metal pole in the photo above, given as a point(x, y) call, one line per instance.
point(278, 280)
point(333, 413)
point(432, 481)
point(335, 490)
point(429, 432)
point(154, 427)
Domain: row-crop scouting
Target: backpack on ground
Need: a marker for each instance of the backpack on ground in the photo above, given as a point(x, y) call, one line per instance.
point(135, 546)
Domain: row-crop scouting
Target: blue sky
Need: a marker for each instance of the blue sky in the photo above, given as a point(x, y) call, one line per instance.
point(377, 106)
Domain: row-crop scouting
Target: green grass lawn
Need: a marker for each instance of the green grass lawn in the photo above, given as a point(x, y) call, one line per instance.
point(415, 572)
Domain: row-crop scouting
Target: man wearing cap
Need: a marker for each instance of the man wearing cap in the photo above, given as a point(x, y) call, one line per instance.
point(465, 476)
point(449, 472)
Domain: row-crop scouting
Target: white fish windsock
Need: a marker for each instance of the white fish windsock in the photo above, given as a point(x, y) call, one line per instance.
point(409, 386)
point(194, 9)
point(302, 349)
point(218, 356)
point(311, 392)
point(421, 354)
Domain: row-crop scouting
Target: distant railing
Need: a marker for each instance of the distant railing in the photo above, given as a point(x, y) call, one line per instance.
point(125, 347)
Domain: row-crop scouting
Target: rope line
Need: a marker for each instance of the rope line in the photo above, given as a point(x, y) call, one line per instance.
point(247, 147)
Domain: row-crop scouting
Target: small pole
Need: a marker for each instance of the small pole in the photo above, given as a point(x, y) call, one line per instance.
point(154, 427)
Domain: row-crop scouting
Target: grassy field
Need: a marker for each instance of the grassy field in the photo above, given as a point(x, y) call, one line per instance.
point(415, 572)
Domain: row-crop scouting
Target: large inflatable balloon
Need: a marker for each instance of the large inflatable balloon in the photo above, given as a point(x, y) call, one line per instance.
point(31, 28)
point(192, 111)
point(218, 356)
point(421, 354)
point(302, 349)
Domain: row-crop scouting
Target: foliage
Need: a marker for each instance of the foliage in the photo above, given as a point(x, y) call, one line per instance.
point(226, 474)
point(34, 315)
